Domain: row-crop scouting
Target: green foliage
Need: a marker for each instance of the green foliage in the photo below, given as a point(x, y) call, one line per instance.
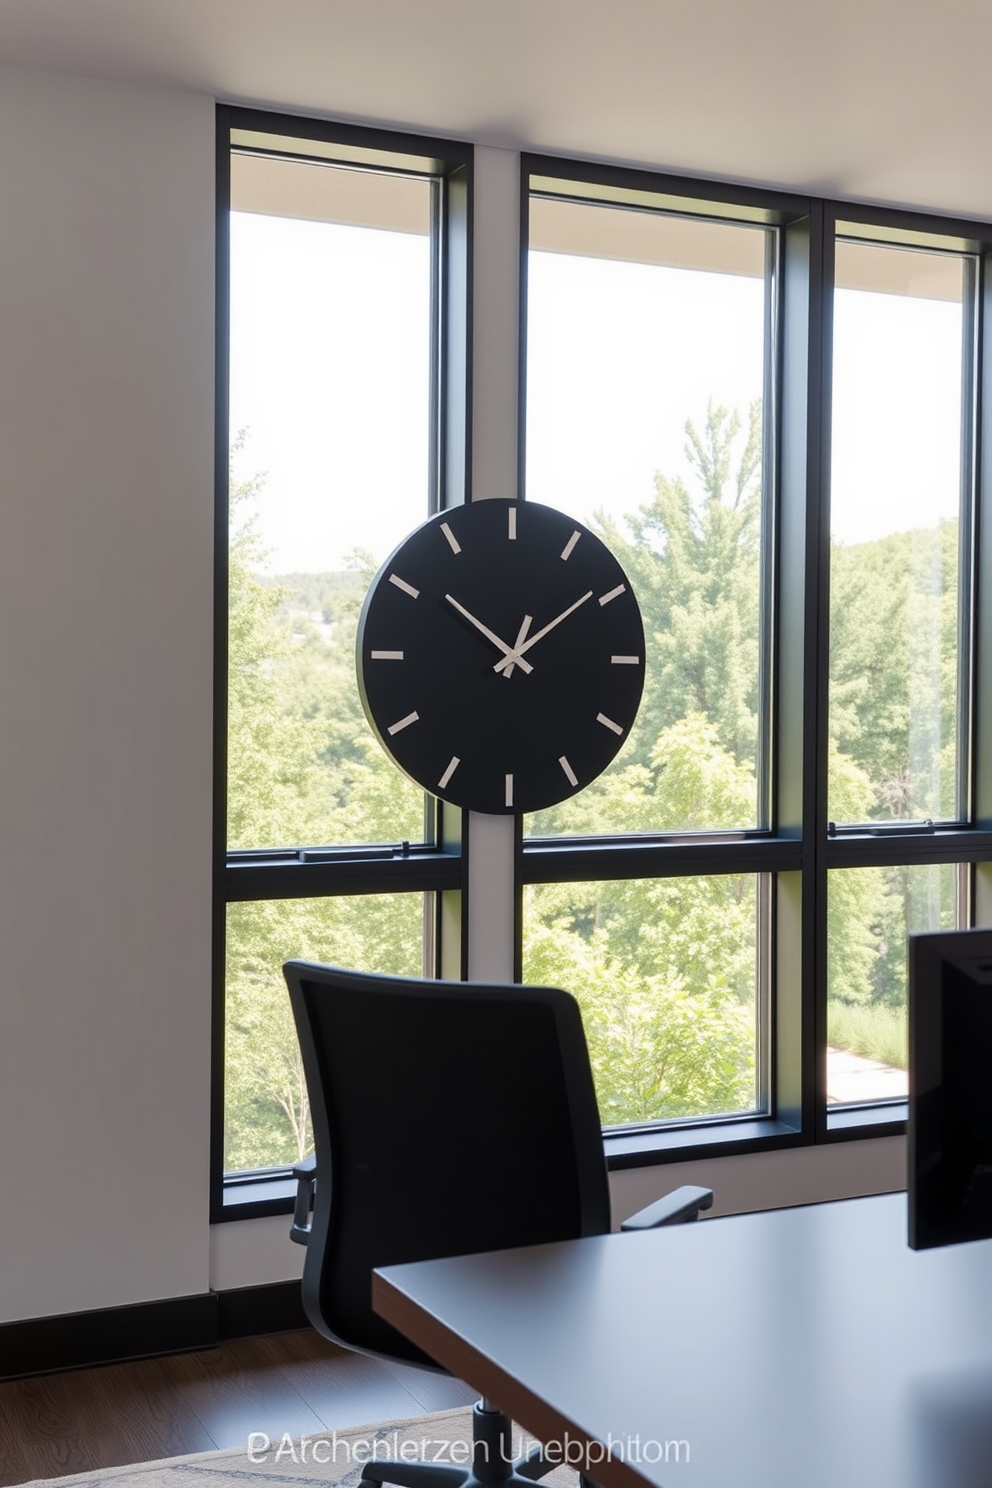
point(694, 561)
point(332, 596)
point(893, 670)
point(875, 1032)
point(659, 1049)
point(664, 969)
point(266, 785)
point(303, 769)
point(303, 765)
point(266, 1109)
point(695, 566)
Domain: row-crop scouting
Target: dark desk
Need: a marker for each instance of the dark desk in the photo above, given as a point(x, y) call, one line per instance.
point(804, 1348)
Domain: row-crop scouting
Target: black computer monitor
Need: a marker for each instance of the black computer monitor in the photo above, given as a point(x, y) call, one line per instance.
point(950, 1088)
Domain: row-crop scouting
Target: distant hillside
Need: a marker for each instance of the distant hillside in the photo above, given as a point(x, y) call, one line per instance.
point(334, 594)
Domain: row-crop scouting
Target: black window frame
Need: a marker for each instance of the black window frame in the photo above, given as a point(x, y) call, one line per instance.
point(439, 866)
point(795, 850)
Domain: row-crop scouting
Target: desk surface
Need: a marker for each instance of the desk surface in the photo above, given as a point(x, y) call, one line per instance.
point(804, 1348)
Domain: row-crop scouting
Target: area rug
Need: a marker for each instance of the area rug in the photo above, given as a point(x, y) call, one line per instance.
point(326, 1459)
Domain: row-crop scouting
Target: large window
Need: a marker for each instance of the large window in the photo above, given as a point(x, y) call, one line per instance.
point(771, 410)
point(899, 513)
point(770, 414)
point(337, 264)
point(648, 348)
point(651, 343)
point(901, 608)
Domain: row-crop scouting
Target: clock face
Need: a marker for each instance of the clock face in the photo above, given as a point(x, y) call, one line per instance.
point(501, 656)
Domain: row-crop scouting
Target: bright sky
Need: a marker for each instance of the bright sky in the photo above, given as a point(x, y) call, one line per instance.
point(896, 449)
point(620, 355)
point(329, 379)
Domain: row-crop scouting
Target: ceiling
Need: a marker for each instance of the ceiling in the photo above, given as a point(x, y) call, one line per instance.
point(871, 100)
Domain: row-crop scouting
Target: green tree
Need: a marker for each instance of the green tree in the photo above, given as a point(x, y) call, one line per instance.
point(695, 564)
point(658, 1050)
point(893, 729)
point(266, 791)
point(664, 969)
point(893, 666)
point(303, 769)
point(266, 1109)
point(693, 554)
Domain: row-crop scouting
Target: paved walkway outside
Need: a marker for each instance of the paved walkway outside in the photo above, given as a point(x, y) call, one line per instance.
point(852, 1078)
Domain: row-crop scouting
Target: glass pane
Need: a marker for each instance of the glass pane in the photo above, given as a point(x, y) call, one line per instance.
point(646, 355)
point(666, 973)
point(266, 1112)
point(894, 505)
point(330, 424)
point(870, 911)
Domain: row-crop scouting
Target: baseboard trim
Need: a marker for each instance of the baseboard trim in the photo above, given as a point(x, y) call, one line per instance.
point(145, 1330)
point(247, 1312)
point(108, 1335)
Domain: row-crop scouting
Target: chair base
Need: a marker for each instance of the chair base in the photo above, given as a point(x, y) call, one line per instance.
point(438, 1475)
point(492, 1465)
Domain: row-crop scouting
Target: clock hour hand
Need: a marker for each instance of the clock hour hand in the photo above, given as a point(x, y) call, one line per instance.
point(517, 652)
point(525, 625)
point(509, 654)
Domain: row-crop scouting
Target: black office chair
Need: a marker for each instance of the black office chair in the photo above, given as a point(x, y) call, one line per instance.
point(448, 1118)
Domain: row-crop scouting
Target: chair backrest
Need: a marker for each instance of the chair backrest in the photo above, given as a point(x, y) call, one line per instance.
point(449, 1118)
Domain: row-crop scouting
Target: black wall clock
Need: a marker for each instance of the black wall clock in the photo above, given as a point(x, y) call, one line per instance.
point(501, 656)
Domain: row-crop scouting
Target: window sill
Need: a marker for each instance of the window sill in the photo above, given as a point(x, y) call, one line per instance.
point(885, 1119)
point(248, 1197)
point(645, 1149)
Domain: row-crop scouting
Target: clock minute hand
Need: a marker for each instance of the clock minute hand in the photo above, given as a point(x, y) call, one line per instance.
point(515, 655)
point(509, 655)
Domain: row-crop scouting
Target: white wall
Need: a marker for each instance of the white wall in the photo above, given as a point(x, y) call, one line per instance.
point(495, 379)
point(106, 502)
point(254, 1253)
point(106, 455)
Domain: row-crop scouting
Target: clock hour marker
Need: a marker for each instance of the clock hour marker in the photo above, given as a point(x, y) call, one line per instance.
point(601, 718)
point(387, 655)
point(453, 542)
point(604, 599)
point(408, 588)
point(511, 518)
point(626, 660)
point(509, 790)
point(570, 774)
point(566, 551)
point(403, 723)
point(453, 764)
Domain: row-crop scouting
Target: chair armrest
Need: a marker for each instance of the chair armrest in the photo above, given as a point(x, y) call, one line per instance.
point(305, 1173)
point(679, 1207)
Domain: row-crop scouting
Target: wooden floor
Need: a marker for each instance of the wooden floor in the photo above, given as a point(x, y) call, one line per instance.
point(286, 1382)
